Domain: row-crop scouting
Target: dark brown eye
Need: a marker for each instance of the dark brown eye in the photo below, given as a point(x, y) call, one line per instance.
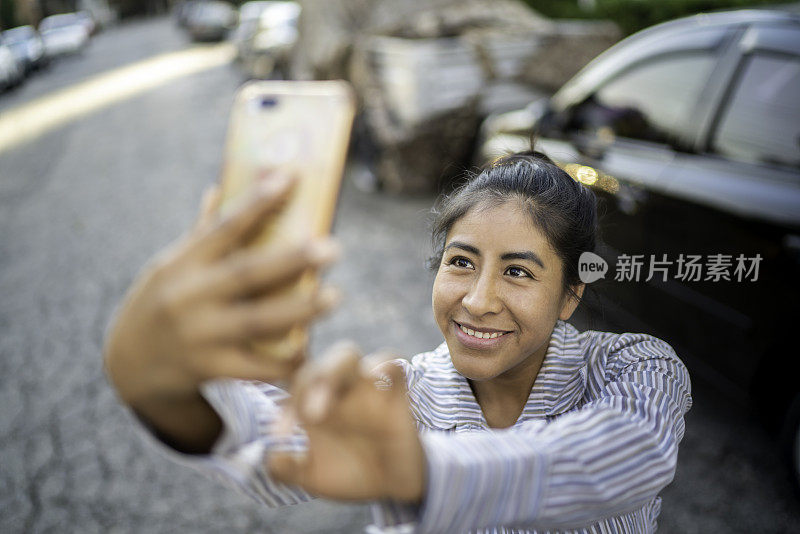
point(461, 262)
point(518, 272)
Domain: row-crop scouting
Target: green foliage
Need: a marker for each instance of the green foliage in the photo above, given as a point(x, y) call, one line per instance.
point(560, 9)
point(634, 15)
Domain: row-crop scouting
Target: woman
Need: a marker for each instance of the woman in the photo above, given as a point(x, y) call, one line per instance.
point(517, 423)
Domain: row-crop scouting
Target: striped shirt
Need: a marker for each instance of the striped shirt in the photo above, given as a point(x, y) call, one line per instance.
point(595, 443)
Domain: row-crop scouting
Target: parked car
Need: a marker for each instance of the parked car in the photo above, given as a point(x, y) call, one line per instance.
point(249, 13)
point(91, 26)
point(211, 20)
point(11, 73)
point(99, 11)
point(266, 46)
point(182, 11)
point(26, 45)
point(66, 33)
point(689, 133)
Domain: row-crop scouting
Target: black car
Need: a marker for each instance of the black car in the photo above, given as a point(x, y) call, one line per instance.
point(689, 132)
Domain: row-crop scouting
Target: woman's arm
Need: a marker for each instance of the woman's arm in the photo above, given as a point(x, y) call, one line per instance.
point(610, 457)
point(362, 438)
point(191, 314)
point(247, 412)
point(607, 458)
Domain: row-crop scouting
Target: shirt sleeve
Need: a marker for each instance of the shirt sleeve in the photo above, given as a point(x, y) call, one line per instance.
point(609, 457)
point(237, 459)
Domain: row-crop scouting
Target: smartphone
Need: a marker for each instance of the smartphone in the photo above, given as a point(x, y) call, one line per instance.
point(299, 128)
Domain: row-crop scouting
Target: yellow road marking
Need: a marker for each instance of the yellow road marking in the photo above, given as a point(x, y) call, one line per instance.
point(30, 120)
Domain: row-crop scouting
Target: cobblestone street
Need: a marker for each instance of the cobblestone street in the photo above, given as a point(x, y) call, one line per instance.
point(84, 206)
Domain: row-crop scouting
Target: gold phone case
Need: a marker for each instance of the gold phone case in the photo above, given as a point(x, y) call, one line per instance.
point(300, 129)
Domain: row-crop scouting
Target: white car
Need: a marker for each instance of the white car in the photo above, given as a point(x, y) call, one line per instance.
point(211, 20)
point(88, 21)
point(26, 45)
point(67, 33)
point(11, 73)
point(267, 47)
point(249, 13)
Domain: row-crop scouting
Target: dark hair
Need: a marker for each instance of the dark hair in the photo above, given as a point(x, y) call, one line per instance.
point(563, 209)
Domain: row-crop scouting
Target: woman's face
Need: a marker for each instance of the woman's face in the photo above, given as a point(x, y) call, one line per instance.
point(498, 292)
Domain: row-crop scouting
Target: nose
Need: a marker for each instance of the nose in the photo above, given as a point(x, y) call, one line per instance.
point(482, 297)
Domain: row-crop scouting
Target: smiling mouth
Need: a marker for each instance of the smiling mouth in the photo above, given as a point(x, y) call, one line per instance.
point(481, 334)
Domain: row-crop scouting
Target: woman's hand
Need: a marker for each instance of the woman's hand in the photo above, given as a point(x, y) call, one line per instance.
point(192, 312)
point(362, 440)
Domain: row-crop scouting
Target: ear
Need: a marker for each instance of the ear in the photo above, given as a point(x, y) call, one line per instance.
point(571, 301)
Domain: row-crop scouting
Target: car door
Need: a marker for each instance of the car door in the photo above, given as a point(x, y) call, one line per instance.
point(736, 199)
point(627, 129)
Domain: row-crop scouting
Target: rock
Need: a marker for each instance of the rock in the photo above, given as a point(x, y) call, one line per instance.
point(573, 44)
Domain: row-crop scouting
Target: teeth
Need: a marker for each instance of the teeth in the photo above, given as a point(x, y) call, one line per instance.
point(479, 335)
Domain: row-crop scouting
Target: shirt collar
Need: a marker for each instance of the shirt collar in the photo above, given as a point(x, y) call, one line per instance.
point(561, 381)
point(558, 388)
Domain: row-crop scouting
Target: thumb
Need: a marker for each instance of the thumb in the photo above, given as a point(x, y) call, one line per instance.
point(388, 370)
point(209, 205)
point(397, 375)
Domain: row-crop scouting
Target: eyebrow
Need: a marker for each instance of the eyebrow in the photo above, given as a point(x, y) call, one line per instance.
point(522, 255)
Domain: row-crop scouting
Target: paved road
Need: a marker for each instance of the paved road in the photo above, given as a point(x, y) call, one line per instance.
point(84, 206)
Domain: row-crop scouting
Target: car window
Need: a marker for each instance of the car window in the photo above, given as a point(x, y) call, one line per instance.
point(761, 122)
point(652, 101)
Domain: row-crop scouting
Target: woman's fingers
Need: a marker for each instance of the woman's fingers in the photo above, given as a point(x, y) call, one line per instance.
point(322, 384)
point(240, 363)
point(232, 230)
point(273, 316)
point(346, 387)
point(390, 374)
point(209, 206)
point(251, 271)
